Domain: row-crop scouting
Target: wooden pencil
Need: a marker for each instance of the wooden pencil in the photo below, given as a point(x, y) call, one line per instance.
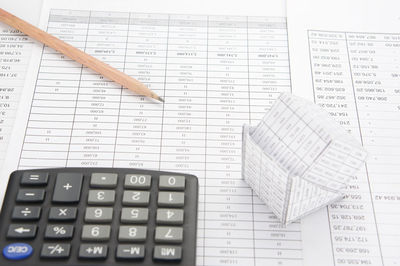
point(77, 55)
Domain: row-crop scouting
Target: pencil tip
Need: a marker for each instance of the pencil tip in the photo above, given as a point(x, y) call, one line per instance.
point(161, 99)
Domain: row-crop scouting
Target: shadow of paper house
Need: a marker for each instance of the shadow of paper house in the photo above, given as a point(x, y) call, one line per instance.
point(298, 159)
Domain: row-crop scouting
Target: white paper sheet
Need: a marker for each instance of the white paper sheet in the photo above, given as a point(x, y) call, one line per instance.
point(345, 56)
point(216, 72)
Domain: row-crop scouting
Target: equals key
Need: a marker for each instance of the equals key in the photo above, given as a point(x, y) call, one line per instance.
point(34, 179)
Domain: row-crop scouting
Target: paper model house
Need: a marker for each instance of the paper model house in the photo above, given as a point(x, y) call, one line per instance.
point(298, 159)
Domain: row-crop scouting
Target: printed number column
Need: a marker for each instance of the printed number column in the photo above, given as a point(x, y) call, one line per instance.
point(96, 114)
point(183, 132)
point(139, 129)
point(353, 232)
point(51, 118)
point(228, 200)
point(275, 244)
point(268, 64)
point(14, 58)
point(374, 62)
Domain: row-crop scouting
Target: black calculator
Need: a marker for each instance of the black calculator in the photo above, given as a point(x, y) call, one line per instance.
point(94, 216)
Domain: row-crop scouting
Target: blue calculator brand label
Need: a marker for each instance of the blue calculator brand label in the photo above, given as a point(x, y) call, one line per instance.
point(17, 251)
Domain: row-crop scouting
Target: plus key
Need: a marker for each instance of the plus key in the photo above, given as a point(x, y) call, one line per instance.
point(68, 188)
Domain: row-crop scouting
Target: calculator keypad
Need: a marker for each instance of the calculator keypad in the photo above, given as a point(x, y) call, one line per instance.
point(76, 215)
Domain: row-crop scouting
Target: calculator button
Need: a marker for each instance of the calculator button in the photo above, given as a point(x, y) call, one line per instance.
point(137, 181)
point(130, 252)
point(132, 233)
point(22, 231)
point(106, 180)
point(68, 188)
point(17, 251)
point(34, 178)
point(172, 182)
point(165, 234)
point(167, 253)
point(55, 251)
point(101, 197)
point(93, 251)
point(134, 215)
point(136, 198)
point(26, 213)
point(59, 231)
point(30, 195)
point(98, 215)
point(96, 232)
point(171, 199)
point(63, 213)
point(169, 216)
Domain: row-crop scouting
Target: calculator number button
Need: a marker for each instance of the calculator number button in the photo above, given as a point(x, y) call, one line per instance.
point(104, 180)
point(93, 251)
point(30, 195)
point(27, 231)
point(34, 179)
point(55, 251)
point(96, 232)
point(171, 199)
point(68, 188)
point(168, 234)
point(134, 215)
point(130, 252)
point(63, 213)
point(26, 213)
point(98, 215)
point(101, 197)
point(170, 216)
point(136, 198)
point(132, 233)
point(167, 253)
point(59, 231)
point(172, 182)
point(137, 181)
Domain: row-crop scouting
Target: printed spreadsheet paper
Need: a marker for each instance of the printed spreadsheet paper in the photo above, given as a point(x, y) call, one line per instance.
point(298, 159)
point(215, 72)
point(348, 53)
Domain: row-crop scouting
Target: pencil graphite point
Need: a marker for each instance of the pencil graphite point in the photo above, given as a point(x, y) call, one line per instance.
point(160, 99)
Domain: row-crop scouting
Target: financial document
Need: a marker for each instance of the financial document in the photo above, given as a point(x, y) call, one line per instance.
point(15, 52)
point(351, 65)
point(215, 72)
